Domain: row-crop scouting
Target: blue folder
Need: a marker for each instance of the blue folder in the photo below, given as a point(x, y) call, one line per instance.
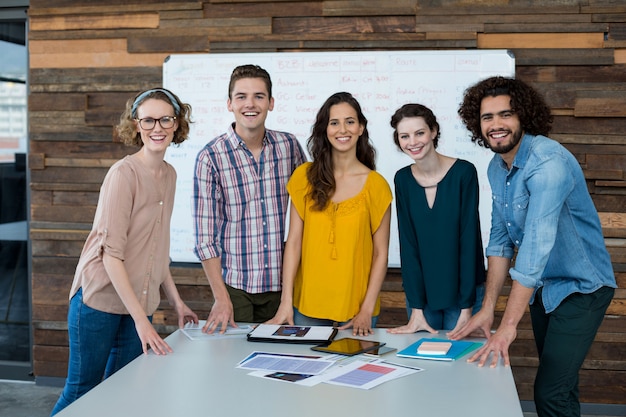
point(458, 349)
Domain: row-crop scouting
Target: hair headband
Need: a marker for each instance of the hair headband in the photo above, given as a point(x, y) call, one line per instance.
point(143, 95)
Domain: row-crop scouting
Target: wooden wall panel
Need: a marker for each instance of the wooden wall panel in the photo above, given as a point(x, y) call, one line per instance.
point(102, 21)
point(86, 54)
point(605, 103)
point(540, 40)
point(369, 8)
point(87, 57)
point(340, 25)
point(265, 9)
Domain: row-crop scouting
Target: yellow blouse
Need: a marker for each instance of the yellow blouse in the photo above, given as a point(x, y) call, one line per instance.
point(337, 248)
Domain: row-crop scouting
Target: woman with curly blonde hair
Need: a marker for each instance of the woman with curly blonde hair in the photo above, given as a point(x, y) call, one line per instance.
point(125, 260)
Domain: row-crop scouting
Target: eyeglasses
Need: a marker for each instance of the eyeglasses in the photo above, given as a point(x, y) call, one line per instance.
point(148, 123)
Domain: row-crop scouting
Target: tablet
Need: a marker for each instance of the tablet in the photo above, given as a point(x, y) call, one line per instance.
point(348, 346)
point(383, 350)
point(313, 335)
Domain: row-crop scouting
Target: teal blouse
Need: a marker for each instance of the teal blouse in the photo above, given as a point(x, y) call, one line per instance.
point(441, 251)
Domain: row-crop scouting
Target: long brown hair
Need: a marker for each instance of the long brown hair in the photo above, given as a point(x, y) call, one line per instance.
point(321, 172)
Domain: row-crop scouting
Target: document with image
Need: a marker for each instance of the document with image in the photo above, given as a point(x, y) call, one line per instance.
point(292, 334)
point(285, 364)
point(194, 331)
point(367, 375)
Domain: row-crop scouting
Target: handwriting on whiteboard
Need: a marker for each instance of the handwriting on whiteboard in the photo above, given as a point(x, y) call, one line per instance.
point(382, 81)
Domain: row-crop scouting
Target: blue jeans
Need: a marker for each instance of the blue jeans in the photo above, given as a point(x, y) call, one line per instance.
point(100, 344)
point(446, 319)
point(300, 319)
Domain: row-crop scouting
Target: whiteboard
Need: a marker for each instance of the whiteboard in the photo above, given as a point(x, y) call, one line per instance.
point(382, 81)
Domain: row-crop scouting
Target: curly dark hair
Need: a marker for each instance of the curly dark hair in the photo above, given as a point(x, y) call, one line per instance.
point(533, 112)
point(415, 110)
point(127, 127)
point(321, 171)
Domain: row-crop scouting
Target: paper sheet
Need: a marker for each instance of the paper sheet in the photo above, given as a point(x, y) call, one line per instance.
point(194, 331)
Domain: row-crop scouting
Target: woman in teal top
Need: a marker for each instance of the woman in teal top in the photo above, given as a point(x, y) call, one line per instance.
point(441, 254)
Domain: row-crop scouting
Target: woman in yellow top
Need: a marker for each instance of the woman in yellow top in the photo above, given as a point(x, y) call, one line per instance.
point(335, 257)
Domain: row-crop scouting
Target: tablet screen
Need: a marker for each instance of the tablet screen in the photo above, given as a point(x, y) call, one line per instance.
point(348, 346)
point(383, 350)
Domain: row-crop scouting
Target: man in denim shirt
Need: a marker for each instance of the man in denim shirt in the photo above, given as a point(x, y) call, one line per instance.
point(542, 208)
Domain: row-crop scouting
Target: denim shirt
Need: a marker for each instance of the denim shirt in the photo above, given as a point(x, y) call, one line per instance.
point(542, 207)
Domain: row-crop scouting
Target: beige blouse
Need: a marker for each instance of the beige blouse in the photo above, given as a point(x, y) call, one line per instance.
point(132, 223)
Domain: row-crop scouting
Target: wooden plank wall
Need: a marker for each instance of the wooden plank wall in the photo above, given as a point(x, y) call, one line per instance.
point(87, 57)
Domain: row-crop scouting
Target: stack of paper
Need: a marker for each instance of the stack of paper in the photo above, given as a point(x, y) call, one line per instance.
point(434, 348)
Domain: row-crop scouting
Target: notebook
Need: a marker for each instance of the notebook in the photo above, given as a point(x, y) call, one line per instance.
point(456, 350)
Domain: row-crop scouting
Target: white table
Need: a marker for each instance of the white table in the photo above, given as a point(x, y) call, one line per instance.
point(200, 379)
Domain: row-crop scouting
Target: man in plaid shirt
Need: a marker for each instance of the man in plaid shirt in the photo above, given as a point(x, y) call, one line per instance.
point(240, 205)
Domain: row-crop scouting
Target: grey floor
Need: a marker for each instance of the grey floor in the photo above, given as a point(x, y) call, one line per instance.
point(26, 399)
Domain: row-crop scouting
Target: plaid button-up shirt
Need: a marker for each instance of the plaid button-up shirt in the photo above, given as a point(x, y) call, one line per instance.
point(240, 206)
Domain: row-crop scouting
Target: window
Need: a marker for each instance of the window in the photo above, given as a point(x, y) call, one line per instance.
point(15, 343)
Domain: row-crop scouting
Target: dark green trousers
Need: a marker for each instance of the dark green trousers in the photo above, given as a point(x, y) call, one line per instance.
point(563, 338)
point(253, 308)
